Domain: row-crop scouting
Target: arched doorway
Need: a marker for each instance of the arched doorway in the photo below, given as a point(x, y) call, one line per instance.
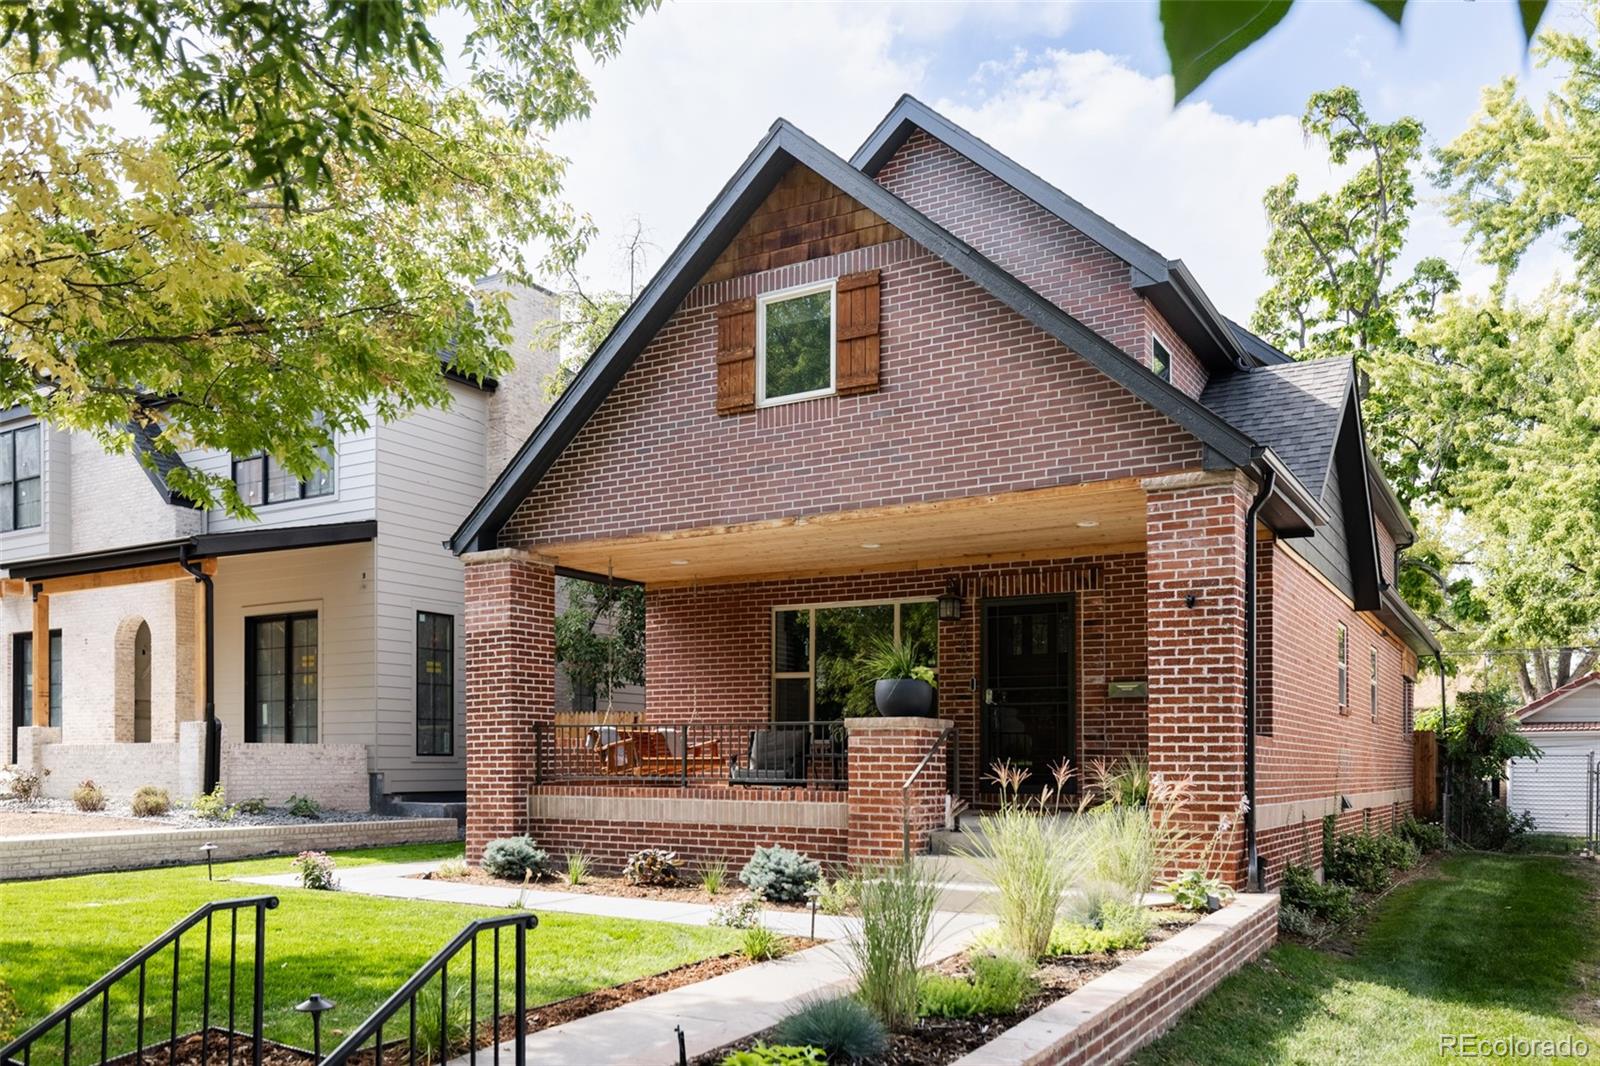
point(131, 681)
point(141, 684)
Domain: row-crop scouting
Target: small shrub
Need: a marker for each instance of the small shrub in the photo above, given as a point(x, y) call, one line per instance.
point(1360, 860)
point(255, 805)
point(653, 866)
point(886, 946)
point(998, 985)
point(712, 876)
point(780, 874)
point(843, 1027)
point(1194, 891)
point(577, 868)
point(213, 805)
point(304, 807)
point(89, 796)
point(513, 859)
point(741, 912)
point(1329, 902)
point(1122, 927)
point(452, 870)
point(150, 802)
point(776, 1055)
point(433, 1042)
point(1124, 783)
point(1427, 836)
point(316, 870)
point(842, 895)
point(1092, 901)
point(760, 944)
point(1292, 919)
point(26, 785)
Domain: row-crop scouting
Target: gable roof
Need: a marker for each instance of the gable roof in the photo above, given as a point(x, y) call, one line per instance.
point(1556, 695)
point(785, 146)
point(1296, 409)
point(1167, 282)
point(157, 463)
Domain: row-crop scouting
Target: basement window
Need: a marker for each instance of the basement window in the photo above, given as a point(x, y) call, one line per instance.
point(794, 344)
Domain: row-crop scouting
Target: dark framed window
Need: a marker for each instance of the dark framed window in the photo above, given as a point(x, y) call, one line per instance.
point(280, 679)
point(21, 483)
point(261, 479)
point(22, 678)
point(1372, 694)
point(815, 648)
point(436, 684)
point(1344, 667)
point(1160, 360)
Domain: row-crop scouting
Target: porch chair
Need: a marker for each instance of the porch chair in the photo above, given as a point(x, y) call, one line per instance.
point(776, 757)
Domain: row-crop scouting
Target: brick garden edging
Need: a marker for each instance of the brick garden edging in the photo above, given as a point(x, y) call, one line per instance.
point(65, 854)
point(1117, 1013)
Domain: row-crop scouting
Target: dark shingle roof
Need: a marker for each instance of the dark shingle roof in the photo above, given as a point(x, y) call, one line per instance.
point(157, 463)
point(1293, 408)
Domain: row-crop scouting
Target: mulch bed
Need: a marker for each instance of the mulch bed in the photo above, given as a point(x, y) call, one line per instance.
point(602, 885)
point(938, 1041)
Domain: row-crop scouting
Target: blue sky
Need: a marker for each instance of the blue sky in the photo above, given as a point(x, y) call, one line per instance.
point(1076, 91)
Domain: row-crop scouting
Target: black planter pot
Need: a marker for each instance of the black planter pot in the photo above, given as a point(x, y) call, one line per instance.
point(904, 698)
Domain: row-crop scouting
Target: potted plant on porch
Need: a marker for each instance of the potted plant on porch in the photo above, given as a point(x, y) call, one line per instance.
point(903, 686)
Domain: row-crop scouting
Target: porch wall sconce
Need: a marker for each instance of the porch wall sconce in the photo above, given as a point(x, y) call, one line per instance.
point(950, 602)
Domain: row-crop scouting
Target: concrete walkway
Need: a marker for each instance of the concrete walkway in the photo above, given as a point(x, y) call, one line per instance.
point(712, 1013)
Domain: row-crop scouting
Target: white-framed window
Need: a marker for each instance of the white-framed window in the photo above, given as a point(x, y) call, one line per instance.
point(815, 648)
point(1372, 694)
point(1343, 638)
point(1408, 705)
point(795, 331)
point(1160, 359)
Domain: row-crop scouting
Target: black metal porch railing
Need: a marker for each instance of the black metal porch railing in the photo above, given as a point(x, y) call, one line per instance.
point(773, 754)
point(59, 1023)
point(442, 1038)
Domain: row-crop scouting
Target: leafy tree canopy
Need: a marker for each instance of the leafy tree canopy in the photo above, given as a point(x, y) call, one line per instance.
point(295, 246)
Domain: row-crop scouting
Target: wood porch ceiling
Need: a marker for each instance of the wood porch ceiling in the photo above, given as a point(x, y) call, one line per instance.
point(1034, 524)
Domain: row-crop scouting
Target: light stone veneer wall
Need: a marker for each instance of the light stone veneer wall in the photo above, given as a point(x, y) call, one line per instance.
point(62, 855)
point(334, 775)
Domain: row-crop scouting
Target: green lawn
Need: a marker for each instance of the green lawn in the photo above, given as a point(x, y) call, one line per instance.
point(1492, 945)
point(58, 936)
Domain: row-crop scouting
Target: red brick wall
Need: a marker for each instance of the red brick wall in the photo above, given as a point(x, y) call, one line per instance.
point(973, 399)
point(708, 656)
point(1055, 259)
point(1195, 547)
point(1317, 752)
point(510, 632)
point(884, 754)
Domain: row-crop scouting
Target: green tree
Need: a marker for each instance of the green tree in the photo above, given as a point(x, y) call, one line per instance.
point(587, 315)
point(600, 636)
point(296, 243)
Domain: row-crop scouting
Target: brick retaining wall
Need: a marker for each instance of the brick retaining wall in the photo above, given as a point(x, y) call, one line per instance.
point(1117, 1013)
point(65, 854)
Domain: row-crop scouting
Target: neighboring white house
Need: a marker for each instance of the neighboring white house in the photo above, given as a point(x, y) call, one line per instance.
point(1565, 726)
point(336, 618)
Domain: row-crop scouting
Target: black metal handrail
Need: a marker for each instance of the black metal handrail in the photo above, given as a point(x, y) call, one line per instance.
point(799, 755)
point(406, 999)
point(952, 776)
point(20, 1051)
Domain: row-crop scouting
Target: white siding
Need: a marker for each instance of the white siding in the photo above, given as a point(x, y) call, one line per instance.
point(1582, 704)
point(354, 476)
point(1552, 788)
point(431, 472)
point(335, 582)
point(54, 532)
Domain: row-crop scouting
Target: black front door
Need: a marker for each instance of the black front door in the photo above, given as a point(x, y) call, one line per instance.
point(1028, 685)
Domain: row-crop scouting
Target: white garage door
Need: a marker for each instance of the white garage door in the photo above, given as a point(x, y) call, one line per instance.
point(1553, 788)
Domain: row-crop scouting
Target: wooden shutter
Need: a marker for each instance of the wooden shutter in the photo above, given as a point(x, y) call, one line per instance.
point(736, 356)
point(857, 333)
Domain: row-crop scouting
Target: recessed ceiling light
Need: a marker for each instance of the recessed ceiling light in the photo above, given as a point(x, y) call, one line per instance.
point(1087, 523)
point(679, 562)
point(871, 545)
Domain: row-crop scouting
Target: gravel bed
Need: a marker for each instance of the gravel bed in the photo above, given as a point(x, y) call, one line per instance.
point(117, 814)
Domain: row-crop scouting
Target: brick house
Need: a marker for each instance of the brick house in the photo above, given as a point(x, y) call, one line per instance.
point(325, 637)
point(923, 394)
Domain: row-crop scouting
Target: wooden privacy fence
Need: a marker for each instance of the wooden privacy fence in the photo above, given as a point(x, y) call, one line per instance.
point(1425, 774)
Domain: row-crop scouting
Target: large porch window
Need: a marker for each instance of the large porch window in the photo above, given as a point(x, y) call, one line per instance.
point(815, 676)
point(280, 679)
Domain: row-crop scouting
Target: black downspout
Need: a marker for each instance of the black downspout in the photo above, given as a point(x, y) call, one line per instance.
point(213, 753)
point(1254, 875)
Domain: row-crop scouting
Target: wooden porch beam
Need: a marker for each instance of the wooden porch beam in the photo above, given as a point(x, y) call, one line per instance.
point(137, 575)
point(13, 586)
point(41, 659)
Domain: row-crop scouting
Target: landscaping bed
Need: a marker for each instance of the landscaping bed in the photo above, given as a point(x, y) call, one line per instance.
point(27, 818)
point(937, 1041)
point(602, 885)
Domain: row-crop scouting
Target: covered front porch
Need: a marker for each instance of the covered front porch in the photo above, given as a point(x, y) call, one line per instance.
point(1065, 623)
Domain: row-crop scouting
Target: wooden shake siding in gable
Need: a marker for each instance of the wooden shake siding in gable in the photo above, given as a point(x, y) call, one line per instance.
point(804, 217)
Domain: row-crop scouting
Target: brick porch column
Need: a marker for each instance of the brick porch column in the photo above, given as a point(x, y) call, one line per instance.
point(883, 752)
point(511, 654)
point(1194, 527)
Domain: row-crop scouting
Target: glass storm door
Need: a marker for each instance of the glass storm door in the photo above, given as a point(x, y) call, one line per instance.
point(1028, 685)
